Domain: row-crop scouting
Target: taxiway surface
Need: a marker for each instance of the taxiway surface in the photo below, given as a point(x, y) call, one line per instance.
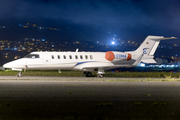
point(85, 98)
point(54, 78)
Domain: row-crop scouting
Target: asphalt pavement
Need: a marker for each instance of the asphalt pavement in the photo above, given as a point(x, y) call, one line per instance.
point(80, 98)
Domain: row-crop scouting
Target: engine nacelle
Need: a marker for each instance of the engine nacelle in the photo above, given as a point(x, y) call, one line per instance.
point(117, 56)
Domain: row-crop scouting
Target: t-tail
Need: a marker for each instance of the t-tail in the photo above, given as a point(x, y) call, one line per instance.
point(148, 48)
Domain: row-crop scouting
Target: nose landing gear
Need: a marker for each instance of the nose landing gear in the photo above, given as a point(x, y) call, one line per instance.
point(20, 71)
point(19, 74)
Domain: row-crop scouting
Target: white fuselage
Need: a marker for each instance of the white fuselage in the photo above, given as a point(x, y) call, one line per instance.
point(87, 61)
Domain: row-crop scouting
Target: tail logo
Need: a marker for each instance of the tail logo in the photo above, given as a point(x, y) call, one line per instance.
point(145, 50)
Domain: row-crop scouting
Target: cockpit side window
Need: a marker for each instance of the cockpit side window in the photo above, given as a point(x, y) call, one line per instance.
point(32, 56)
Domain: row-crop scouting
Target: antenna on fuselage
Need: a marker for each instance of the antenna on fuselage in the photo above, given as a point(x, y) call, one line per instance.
point(77, 50)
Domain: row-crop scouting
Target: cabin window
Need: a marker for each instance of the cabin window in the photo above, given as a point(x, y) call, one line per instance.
point(58, 56)
point(70, 57)
point(81, 56)
point(76, 56)
point(91, 57)
point(86, 56)
point(32, 56)
point(52, 56)
point(64, 56)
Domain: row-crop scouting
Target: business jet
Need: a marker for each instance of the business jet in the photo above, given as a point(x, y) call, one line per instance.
point(88, 61)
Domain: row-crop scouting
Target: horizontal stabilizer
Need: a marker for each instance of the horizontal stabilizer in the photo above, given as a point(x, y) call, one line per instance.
point(148, 61)
point(164, 38)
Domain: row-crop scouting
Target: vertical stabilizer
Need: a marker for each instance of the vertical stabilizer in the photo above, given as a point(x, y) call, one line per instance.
point(148, 48)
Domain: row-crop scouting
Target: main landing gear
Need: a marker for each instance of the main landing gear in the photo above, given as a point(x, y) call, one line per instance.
point(100, 73)
point(88, 74)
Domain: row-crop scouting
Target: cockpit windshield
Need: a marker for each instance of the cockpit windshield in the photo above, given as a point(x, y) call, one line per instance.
point(32, 56)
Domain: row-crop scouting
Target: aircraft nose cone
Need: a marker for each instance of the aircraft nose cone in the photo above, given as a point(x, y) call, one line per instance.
point(17, 64)
point(5, 65)
point(8, 65)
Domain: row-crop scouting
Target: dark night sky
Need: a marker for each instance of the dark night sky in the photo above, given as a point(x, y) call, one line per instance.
point(128, 19)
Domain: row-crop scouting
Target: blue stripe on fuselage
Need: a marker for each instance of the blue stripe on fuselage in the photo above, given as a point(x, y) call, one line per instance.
point(83, 62)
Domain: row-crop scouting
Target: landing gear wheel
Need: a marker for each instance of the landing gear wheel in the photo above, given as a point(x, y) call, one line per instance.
point(19, 74)
point(101, 75)
point(88, 74)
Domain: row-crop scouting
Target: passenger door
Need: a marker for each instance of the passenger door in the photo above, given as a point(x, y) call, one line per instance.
point(46, 57)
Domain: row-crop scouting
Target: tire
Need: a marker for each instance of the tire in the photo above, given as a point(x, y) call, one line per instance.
point(88, 74)
point(101, 75)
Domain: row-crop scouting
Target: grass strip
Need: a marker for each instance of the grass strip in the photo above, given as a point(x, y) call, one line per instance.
point(167, 75)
